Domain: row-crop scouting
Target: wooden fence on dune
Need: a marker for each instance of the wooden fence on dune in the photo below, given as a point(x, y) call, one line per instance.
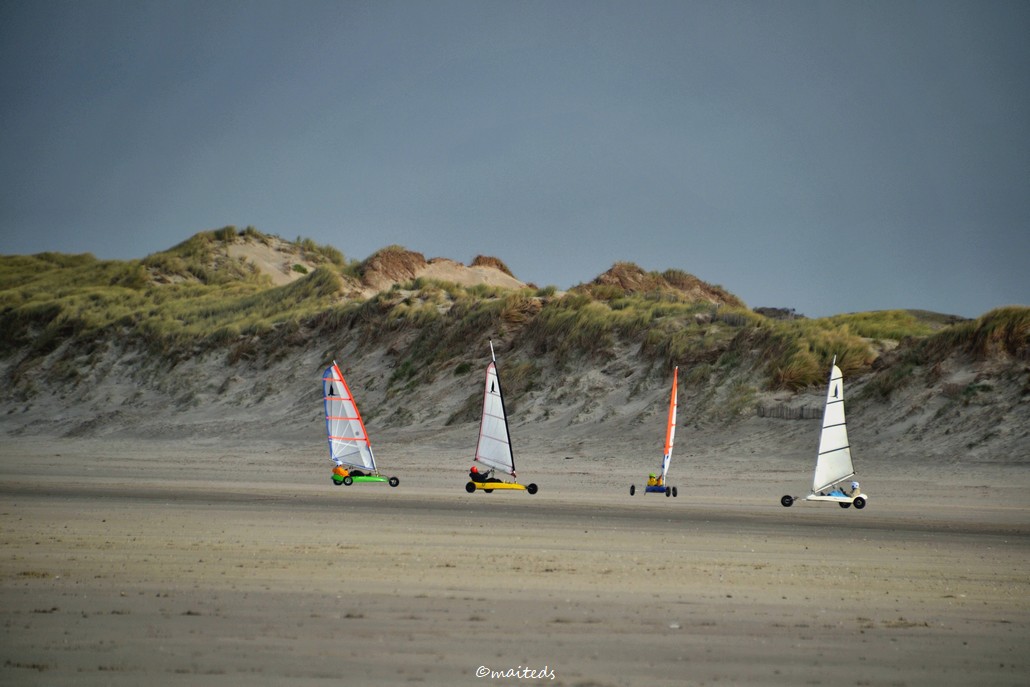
point(785, 412)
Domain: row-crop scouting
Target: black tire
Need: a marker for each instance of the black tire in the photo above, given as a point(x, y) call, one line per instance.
point(674, 492)
point(845, 505)
point(859, 502)
point(348, 480)
point(668, 492)
point(393, 481)
point(470, 487)
point(787, 501)
point(337, 482)
point(632, 489)
point(531, 488)
point(489, 491)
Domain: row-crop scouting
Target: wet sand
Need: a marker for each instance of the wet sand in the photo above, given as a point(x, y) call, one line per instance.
point(134, 563)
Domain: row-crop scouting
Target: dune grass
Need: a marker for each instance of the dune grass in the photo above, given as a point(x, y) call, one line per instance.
point(88, 298)
point(883, 324)
point(194, 297)
point(998, 333)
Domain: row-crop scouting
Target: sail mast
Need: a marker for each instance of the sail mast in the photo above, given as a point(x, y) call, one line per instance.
point(348, 439)
point(833, 462)
point(494, 446)
point(670, 428)
point(504, 412)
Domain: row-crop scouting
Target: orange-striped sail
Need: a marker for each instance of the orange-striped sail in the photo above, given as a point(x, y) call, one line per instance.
point(670, 428)
point(348, 440)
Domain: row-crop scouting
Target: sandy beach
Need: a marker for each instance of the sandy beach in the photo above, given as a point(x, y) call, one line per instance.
point(181, 563)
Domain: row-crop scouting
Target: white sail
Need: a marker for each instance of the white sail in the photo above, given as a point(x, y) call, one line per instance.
point(494, 447)
point(670, 428)
point(834, 461)
point(348, 440)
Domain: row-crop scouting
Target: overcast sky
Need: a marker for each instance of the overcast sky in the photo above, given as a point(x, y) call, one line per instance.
point(826, 156)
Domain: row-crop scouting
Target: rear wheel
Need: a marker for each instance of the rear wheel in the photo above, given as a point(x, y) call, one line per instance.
point(787, 501)
point(470, 487)
point(632, 489)
point(337, 481)
point(859, 502)
point(674, 492)
point(348, 480)
point(394, 481)
point(668, 492)
point(845, 505)
point(531, 488)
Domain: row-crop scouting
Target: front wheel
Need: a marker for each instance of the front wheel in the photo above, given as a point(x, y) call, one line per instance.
point(394, 481)
point(787, 501)
point(674, 492)
point(470, 487)
point(859, 502)
point(632, 489)
point(531, 488)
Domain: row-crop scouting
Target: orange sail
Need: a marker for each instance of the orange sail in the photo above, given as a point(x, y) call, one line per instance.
point(670, 429)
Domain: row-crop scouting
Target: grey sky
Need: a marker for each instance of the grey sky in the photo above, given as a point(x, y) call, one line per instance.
point(826, 156)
